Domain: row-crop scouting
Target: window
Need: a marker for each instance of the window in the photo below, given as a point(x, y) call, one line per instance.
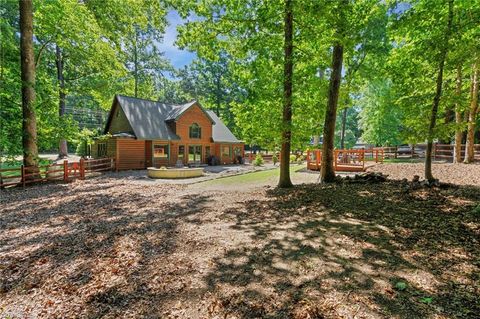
point(237, 151)
point(160, 151)
point(181, 152)
point(102, 149)
point(194, 153)
point(195, 131)
point(226, 151)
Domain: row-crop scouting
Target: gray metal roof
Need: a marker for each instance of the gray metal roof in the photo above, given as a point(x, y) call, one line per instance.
point(221, 133)
point(148, 119)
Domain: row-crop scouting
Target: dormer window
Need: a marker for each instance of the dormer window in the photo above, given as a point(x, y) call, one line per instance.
point(195, 131)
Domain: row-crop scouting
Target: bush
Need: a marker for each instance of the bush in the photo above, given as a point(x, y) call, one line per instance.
point(300, 159)
point(81, 148)
point(258, 160)
point(275, 159)
point(293, 158)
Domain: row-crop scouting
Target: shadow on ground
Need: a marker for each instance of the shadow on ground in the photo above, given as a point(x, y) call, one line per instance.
point(105, 248)
point(366, 250)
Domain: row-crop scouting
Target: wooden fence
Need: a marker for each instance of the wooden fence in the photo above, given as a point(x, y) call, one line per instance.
point(446, 152)
point(346, 160)
point(440, 152)
point(66, 171)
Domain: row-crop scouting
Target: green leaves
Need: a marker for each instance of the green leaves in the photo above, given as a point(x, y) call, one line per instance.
point(400, 286)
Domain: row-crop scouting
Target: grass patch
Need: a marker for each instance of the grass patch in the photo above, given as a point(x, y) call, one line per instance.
point(255, 177)
point(402, 160)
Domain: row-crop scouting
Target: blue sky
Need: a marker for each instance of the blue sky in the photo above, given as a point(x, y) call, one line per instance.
point(178, 58)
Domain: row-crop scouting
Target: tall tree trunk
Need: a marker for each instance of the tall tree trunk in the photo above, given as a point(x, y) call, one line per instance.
point(62, 145)
point(438, 94)
point(27, 59)
point(472, 117)
point(327, 170)
point(344, 124)
point(287, 98)
point(457, 152)
point(218, 95)
point(135, 63)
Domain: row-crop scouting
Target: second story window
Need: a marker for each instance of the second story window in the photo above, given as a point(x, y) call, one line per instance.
point(195, 131)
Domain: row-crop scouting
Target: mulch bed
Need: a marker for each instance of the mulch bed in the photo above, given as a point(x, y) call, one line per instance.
point(107, 248)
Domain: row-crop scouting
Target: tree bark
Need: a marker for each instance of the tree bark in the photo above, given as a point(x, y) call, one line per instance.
point(472, 117)
point(327, 171)
point(27, 58)
point(135, 63)
point(344, 124)
point(457, 152)
point(438, 94)
point(285, 181)
point(62, 145)
point(218, 94)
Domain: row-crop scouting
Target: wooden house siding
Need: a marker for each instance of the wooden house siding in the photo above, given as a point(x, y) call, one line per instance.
point(194, 115)
point(119, 123)
point(168, 125)
point(130, 154)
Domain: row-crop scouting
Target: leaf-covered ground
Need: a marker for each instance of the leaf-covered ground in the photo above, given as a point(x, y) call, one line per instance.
point(109, 247)
point(461, 174)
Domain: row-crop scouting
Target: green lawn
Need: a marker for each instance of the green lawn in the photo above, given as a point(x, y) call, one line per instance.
point(255, 177)
point(402, 160)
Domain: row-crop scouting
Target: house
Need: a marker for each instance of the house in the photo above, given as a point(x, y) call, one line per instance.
point(146, 133)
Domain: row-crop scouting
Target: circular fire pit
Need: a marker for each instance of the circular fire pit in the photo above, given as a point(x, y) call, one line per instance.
point(171, 173)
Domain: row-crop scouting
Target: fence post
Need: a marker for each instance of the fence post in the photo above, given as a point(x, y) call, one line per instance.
point(434, 151)
point(65, 170)
point(82, 168)
point(111, 164)
point(335, 155)
point(23, 176)
point(396, 151)
point(363, 159)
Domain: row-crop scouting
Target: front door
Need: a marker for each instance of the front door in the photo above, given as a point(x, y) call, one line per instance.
point(195, 154)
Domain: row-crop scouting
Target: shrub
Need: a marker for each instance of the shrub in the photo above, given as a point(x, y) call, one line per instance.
point(300, 159)
point(275, 159)
point(293, 158)
point(81, 148)
point(258, 160)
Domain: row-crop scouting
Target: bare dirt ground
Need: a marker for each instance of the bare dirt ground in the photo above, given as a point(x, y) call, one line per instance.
point(460, 174)
point(112, 248)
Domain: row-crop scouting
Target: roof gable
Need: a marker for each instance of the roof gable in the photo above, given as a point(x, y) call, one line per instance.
point(220, 132)
point(179, 110)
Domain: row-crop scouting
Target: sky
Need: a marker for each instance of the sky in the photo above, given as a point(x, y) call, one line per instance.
point(179, 58)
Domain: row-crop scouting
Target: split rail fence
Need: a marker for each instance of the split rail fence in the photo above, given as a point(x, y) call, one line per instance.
point(66, 171)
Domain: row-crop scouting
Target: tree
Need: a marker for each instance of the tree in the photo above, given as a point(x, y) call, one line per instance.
point(327, 171)
point(472, 115)
point(381, 122)
point(284, 180)
point(438, 94)
point(457, 154)
point(27, 58)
